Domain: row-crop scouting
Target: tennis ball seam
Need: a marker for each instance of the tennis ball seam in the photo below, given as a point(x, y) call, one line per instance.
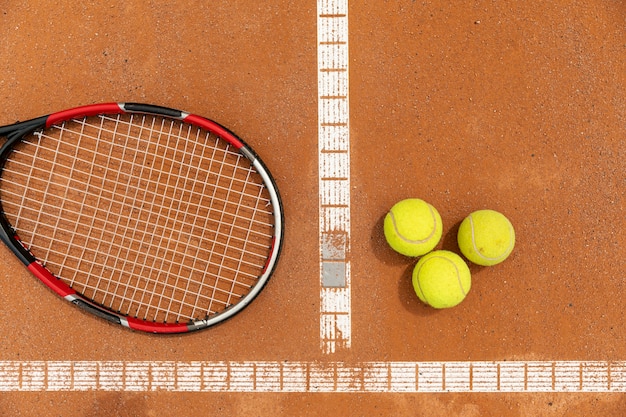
point(418, 241)
point(490, 258)
point(458, 277)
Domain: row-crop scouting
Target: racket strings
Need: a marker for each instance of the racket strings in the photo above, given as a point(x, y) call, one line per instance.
point(148, 216)
point(114, 222)
point(135, 240)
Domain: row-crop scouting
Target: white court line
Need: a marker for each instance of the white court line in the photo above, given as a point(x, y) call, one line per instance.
point(334, 175)
point(311, 377)
point(335, 306)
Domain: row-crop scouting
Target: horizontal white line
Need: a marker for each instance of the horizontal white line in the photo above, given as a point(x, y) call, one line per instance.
point(294, 376)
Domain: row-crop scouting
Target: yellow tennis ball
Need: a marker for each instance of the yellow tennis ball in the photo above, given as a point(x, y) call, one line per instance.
point(486, 237)
point(413, 227)
point(442, 279)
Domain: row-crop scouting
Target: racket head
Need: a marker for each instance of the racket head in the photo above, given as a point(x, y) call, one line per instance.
point(230, 252)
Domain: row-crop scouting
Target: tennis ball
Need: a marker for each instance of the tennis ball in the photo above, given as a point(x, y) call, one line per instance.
point(442, 279)
point(413, 227)
point(486, 237)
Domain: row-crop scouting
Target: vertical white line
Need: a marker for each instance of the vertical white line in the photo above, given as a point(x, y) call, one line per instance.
point(334, 175)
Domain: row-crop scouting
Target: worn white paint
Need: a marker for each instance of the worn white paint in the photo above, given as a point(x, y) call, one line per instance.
point(334, 175)
point(339, 377)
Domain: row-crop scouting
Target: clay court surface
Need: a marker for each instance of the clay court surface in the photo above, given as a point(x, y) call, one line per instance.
point(517, 106)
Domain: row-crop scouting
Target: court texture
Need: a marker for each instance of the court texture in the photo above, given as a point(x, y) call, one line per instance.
point(516, 106)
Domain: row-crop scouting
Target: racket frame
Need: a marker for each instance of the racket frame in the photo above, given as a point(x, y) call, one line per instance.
point(16, 132)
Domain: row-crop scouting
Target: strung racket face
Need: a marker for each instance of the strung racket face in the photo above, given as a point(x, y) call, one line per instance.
point(149, 217)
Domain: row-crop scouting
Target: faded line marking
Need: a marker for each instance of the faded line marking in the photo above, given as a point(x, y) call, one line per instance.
point(311, 377)
point(334, 175)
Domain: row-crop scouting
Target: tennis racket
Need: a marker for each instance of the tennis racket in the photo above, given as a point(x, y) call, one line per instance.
point(149, 217)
